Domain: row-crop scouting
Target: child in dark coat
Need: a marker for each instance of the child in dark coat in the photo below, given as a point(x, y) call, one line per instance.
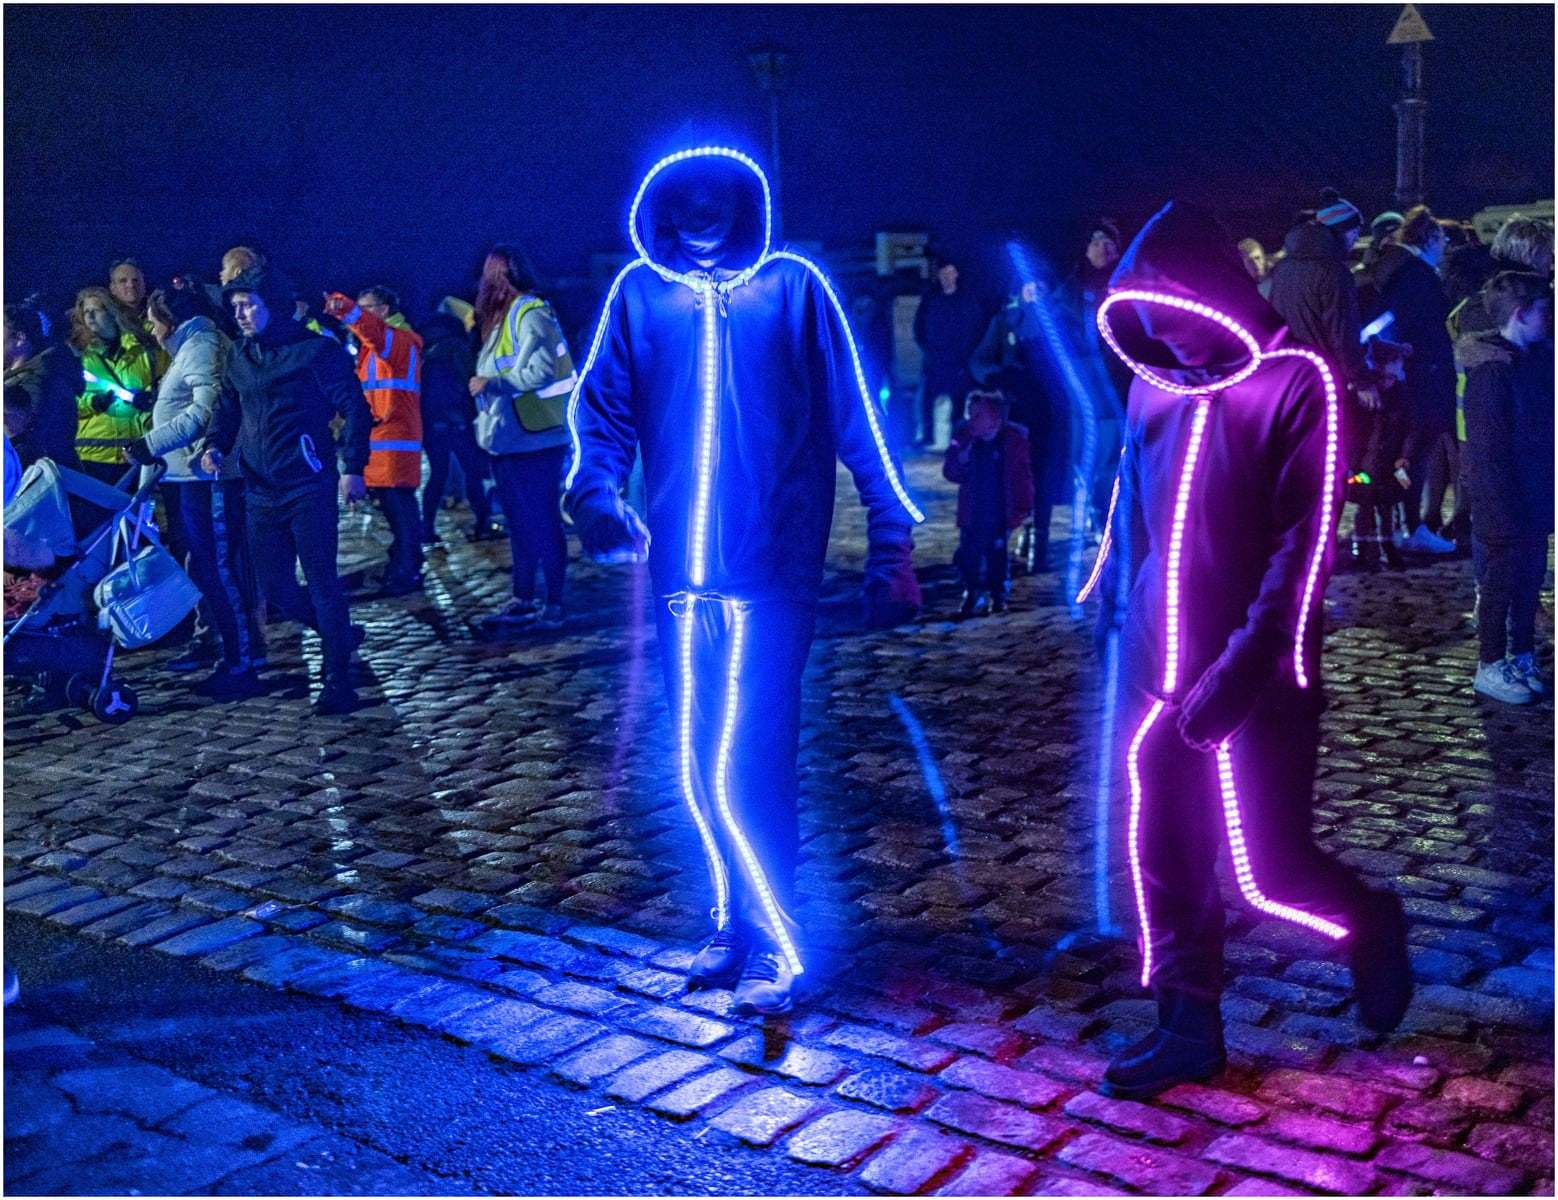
point(988, 459)
point(1509, 468)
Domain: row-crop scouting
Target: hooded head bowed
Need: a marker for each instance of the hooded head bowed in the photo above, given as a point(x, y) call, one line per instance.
point(706, 204)
point(1182, 311)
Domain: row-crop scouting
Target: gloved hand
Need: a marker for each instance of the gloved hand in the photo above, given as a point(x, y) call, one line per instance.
point(892, 593)
point(609, 530)
point(139, 454)
point(1220, 703)
point(338, 305)
point(102, 401)
point(143, 401)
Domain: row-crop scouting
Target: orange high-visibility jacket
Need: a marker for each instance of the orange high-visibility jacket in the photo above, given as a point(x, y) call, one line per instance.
point(389, 363)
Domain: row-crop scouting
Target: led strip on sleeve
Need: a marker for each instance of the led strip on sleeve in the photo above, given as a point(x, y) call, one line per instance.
point(860, 383)
point(1327, 504)
point(589, 361)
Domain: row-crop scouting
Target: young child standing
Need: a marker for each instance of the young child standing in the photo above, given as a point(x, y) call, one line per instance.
point(1509, 453)
point(988, 460)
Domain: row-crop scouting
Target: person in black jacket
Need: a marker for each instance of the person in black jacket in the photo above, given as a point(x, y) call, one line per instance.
point(947, 327)
point(1509, 467)
point(283, 386)
point(448, 413)
point(50, 375)
point(1409, 288)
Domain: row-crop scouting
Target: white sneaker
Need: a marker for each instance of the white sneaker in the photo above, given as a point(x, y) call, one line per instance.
point(1424, 541)
point(1499, 681)
point(1526, 670)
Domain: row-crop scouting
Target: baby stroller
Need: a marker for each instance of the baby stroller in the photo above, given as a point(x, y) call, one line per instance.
point(111, 587)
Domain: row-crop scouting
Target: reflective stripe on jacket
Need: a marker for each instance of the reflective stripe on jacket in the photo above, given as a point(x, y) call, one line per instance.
point(389, 364)
point(131, 367)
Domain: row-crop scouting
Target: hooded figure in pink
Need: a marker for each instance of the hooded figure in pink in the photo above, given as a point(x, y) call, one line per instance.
point(1213, 570)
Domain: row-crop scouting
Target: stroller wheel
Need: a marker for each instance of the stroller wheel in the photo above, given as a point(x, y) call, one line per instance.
point(79, 689)
point(114, 704)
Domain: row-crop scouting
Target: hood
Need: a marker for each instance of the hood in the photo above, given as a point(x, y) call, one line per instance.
point(272, 287)
point(1186, 258)
point(693, 186)
point(1312, 240)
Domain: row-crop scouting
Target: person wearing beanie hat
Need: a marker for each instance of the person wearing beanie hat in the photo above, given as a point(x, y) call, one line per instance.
point(285, 385)
point(1334, 212)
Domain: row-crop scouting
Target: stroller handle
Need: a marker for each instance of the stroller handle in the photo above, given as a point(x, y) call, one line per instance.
point(152, 475)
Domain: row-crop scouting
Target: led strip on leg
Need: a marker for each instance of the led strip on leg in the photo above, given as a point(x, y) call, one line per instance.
point(711, 851)
point(1133, 773)
point(1241, 858)
point(1327, 505)
point(754, 869)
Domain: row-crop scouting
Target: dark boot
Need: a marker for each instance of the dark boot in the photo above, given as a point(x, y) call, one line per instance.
point(719, 963)
point(1186, 1047)
point(336, 698)
point(1381, 971)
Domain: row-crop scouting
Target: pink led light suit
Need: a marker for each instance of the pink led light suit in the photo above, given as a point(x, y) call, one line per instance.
point(1226, 507)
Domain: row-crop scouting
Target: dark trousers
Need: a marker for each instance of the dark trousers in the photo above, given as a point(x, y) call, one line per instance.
point(440, 445)
point(302, 527)
point(109, 473)
point(1180, 820)
point(1423, 445)
point(528, 488)
point(981, 559)
point(1509, 582)
point(938, 383)
point(213, 528)
point(399, 506)
point(733, 676)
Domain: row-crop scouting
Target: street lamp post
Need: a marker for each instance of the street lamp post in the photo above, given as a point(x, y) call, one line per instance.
point(1410, 32)
point(771, 69)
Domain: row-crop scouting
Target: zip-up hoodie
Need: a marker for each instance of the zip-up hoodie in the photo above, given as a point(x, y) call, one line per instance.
point(1247, 540)
point(284, 386)
point(742, 386)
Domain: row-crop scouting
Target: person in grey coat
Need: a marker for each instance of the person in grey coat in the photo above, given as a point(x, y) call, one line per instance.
point(207, 510)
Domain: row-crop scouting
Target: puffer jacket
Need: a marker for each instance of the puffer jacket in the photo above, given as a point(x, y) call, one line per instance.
point(742, 386)
point(1255, 536)
point(130, 366)
point(186, 400)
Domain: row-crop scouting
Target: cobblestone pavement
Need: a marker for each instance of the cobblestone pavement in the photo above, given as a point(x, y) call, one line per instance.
point(496, 851)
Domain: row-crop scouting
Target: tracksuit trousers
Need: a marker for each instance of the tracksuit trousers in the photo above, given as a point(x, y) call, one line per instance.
point(1259, 801)
point(733, 675)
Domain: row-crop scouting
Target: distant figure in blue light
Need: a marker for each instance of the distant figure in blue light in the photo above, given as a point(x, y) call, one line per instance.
point(730, 365)
point(947, 326)
point(988, 460)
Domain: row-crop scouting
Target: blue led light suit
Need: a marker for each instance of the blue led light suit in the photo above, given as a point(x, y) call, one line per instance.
point(741, 385)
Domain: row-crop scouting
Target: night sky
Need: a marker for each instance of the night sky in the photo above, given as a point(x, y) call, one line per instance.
point(393, 143)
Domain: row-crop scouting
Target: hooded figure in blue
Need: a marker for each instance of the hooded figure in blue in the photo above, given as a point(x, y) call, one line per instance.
point(730, 366)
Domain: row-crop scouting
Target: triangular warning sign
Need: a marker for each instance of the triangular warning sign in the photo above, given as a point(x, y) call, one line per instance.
point(1410, 27)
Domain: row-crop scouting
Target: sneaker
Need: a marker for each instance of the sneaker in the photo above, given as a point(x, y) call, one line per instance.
point(767, 985)
point(336, 698)
point(998, 601)
point(1526, 670)
point(1425, 541)
point(1393, 557)
point(197, 656)
point(230, 683)
point(432, 542)
point(484, 533)
point(718, 964)
point(551, 617)
point(1499, 681)
point(514, 613)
